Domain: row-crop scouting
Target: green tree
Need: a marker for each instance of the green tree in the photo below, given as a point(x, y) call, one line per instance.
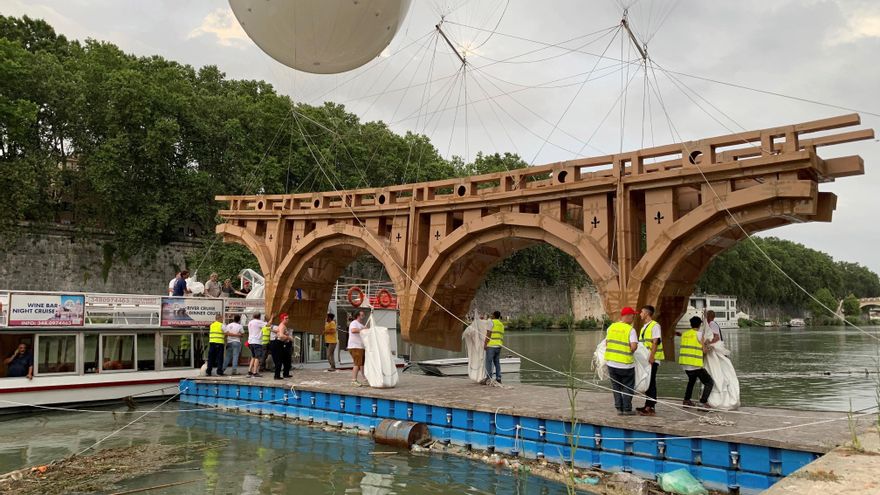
point(851, 306)
point(825, 302)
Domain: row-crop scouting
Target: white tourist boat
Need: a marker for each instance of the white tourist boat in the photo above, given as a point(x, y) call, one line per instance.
point(99, 348)
point(459, 366)
point(726, 314)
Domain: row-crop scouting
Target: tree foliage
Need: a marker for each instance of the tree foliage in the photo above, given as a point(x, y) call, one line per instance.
point(745, 272)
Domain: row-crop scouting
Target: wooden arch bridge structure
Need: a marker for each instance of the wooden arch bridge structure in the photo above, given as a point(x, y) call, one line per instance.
point(643, 225)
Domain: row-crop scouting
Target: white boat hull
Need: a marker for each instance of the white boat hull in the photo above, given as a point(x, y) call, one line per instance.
point(459, 366)
point(21, 393)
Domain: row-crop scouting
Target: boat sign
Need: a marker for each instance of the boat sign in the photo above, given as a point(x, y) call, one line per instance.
point(46, 310)
point(190, 311)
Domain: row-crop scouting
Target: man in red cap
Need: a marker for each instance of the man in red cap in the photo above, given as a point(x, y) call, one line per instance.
point(620, 343)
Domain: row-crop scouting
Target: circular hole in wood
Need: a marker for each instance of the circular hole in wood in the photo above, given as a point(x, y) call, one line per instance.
point(461, 190)
point(562, 176)
point(381, 199)
point(695, 156)
point(260, 205)
point(317, 203)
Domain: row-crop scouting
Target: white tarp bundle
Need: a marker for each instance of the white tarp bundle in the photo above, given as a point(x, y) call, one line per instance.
point(474, 337)
point(725, 394)
point(379, 366)
point(643, 367)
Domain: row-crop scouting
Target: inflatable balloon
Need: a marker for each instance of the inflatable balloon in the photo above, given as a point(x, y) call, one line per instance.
point(321, 36)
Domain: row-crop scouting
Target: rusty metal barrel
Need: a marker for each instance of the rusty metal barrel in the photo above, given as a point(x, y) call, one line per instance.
point(400, 433)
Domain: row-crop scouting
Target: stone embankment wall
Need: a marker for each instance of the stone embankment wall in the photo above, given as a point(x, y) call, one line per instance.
point(60, 260)
point(514, 297)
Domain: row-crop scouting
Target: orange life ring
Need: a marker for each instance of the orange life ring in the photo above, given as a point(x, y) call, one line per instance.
point(383, 297)
point(351, 296)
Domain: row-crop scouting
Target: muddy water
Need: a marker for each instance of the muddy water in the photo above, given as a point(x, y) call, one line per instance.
point(255, 456)
point(821, 368)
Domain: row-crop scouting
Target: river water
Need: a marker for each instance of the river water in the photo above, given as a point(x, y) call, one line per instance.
point(818, 368)
point(801, 368)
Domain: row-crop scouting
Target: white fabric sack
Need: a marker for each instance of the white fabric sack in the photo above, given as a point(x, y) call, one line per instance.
point(474, 337)
point(725, 394)
point(379, 366)
point(598, 363)
point(643, 367)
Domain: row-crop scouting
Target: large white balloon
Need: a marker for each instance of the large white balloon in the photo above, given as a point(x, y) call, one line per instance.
point(321, 36)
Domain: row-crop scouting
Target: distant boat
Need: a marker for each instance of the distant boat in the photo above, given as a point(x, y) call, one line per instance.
point(726, 314)
point(797, 322)
point(459, 366)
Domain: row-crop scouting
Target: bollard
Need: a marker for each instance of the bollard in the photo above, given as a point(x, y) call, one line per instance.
point(400, 433)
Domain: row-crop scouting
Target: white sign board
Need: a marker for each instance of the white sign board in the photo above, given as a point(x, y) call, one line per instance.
point(190, 311)
point(46, 310)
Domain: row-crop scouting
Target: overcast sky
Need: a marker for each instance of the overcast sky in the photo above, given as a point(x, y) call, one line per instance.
point(518, 88)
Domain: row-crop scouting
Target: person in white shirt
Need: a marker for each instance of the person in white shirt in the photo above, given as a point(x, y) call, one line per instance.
point(651, 335)
point(172, 282)
point(356, 346)
point(713, 326)
point(255, 344)
point(233, 332)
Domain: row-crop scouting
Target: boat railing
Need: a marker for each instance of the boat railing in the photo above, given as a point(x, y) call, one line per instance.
point(370, 288)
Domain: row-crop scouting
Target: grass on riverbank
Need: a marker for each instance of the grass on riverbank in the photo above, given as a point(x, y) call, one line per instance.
point(546, 322)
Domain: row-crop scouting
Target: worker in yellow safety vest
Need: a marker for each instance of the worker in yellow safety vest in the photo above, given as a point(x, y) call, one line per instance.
point(693, 345)
point(216, 343)
point(494, 342)
point(620, 343)
point(651, 338)
point(265, 340)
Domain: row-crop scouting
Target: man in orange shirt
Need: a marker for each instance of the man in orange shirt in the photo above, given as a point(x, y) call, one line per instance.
point(330, 340)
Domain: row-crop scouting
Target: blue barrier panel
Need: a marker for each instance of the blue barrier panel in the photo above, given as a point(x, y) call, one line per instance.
point(557, 453)
point(440, 433)
point(461, 418)
point(439, 416)
point(400, 410)
point(482, 421)
point(646, 467)
point(459, 436)
point(754, 483)
point(611, 461)
point(612, 439)
point(333, 418)
point(348, 420)
point(585, 436)
point(421, 413)
point(584, 457)
point(367, 406)
point(321, 400)
point(714, 478)
point(506, 424)
point(715, 453)
point(479, 440)
point(532, 429)
point(557, 432)
point(680, 450)
point(645, 447)
point(352, 404)
point(365, 422)
point(318, 415)
point(505, 444)
point(754, 458)
point(383, 408)
point(335, 402)
point(531, 449)
point(793, 460)
point(775, 461)
point(291, 412)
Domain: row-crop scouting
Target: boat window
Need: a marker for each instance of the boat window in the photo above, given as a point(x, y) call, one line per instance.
point(9, 347)
point(55, 354)
point(177, 350)
point(117, 352)
point(146, 351)
point(91, 353)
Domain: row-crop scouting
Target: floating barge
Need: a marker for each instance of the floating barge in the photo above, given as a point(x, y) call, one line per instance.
point(762, 446)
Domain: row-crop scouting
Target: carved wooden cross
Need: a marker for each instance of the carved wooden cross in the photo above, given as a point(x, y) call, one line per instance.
point(297, 236)
point(658, 217)
point(595, 222)
point(398, 237)
point(437, 235)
